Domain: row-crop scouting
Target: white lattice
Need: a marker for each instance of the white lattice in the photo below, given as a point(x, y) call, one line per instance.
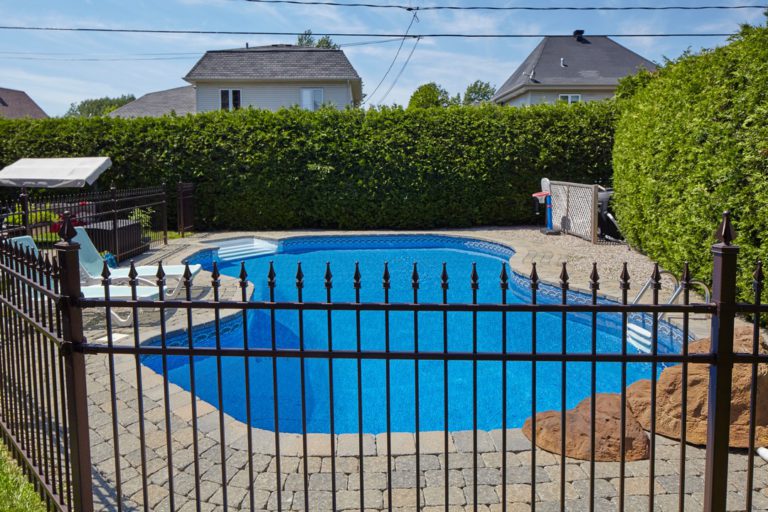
point(574, 209)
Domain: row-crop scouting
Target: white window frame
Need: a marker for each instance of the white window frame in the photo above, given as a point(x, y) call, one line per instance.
point(569, 98)
point(315, 103)
point(230, 97)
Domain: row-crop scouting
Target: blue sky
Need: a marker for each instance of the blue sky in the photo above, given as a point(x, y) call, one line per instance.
point(42, 63)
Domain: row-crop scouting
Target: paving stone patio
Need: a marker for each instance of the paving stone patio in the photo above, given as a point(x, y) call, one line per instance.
point(151, 463)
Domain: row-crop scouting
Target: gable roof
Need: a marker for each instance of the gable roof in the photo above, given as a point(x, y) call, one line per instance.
point(587, 61)
point(17, 104)
point(275, 62)
point(180, 100)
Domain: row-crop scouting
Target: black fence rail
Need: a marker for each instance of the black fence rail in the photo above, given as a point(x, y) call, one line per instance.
point(158, 446)
point(122, 222)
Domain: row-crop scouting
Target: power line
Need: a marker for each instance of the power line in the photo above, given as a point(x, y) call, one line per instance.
point(344, 34)
point(94, 59)
point(401, 71)
point(514, 8)
point(99, 54)
point(117, 57)
point(399, 48)
point(363, 43)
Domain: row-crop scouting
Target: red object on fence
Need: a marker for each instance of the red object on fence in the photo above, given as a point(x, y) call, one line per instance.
point(56, 226)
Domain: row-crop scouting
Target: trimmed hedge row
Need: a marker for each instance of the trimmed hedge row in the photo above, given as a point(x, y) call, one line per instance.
point(691, 142)
point(387, 168)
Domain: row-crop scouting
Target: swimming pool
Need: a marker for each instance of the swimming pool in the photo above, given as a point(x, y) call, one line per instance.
point(400, 252)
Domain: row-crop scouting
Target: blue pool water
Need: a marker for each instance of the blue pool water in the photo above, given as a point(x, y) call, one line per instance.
point(400, 252)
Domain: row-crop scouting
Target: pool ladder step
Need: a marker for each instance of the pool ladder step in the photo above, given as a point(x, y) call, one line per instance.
point(640, 338)
point(246, 250)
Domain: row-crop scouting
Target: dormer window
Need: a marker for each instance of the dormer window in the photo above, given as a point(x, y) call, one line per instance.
point(230, 99)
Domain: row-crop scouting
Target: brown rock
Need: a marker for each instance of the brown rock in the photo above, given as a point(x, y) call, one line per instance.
point(577, 434)
point(669, 397)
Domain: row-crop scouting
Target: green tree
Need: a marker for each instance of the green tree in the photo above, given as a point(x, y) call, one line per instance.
point(692, 141)
point(478, 92)
point(307, 40)
point(327, 42)
point(97, 107)
point(430, 95)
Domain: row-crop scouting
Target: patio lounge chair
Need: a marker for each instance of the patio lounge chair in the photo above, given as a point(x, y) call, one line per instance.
point(96, 291)
point(92, 264)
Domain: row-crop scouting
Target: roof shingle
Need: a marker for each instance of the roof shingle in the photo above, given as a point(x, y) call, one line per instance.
point(17, 104)
point(586, 61)
point(276, 62)
point(180, 100)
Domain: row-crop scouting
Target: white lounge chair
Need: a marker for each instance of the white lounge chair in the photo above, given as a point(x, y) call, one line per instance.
point(92, 264)
point(96, 291)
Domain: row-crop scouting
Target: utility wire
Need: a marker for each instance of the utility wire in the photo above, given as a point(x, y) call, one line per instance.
point(400, 73)
point(107, 57)
point(344, 34)
point(399, 48)
point(2, 52)
point(514, 8)
point(363, 43)
point(95, 59)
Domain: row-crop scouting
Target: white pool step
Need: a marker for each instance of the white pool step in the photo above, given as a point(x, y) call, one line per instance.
point(640, 338)
point(246, 249)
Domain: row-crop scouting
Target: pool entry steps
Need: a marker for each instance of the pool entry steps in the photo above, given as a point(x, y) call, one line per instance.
point(243, 248)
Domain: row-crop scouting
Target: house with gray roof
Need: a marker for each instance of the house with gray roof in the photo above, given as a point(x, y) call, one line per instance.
point(16, 104)
point(276, 76)
point(262, 77)
point(179, 101)
point(571, 69)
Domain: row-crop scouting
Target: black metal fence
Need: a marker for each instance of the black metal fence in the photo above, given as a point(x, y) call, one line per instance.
point(139, 456)
point(123, 222)
point(185, 210)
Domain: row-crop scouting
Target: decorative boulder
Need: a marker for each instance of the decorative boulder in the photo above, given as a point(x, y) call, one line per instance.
point(577, 431)
point(669, 397)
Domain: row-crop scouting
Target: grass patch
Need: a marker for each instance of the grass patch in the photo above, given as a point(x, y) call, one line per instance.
point(172, 235)
point(16, 493)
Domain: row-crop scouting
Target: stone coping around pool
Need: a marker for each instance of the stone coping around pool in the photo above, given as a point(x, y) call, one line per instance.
point(208, 245)
point(542, 249)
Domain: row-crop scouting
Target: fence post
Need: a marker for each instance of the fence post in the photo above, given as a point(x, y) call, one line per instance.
point(164, 214)
point(74, 365)
point(595, 209)
point(115, 236)
point(720, 373)
point(24, 198)
point(180, 208)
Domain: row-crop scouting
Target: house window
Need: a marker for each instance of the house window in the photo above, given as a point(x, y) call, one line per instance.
point(311, 99)
point(230, 99)
point(570, 98)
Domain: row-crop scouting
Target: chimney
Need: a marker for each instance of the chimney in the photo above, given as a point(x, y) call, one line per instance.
point(579, 35)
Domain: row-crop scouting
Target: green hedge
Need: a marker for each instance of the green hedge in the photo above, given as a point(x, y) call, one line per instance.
point(691, 142)
point(387, 168)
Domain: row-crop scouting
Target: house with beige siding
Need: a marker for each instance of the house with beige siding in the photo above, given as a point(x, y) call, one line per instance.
point(263, 77)
point(570, 69)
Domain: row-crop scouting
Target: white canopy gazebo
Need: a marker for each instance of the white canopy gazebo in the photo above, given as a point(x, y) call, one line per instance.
point(54, 172)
